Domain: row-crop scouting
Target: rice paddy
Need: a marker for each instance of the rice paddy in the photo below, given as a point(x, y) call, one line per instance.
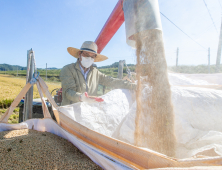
point(11, 86)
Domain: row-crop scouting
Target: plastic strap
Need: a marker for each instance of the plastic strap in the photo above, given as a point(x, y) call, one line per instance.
point(34, 78)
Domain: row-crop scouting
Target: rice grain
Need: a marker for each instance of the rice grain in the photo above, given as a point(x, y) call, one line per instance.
point(30, 149)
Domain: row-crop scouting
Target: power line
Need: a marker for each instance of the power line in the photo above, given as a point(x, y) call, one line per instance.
point(208, 28)
point(210, 15)
point(182, 31)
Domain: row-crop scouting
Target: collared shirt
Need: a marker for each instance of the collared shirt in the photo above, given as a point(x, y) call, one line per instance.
point(84, 73)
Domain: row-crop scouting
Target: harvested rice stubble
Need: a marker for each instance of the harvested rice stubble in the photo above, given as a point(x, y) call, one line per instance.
point(30, 149)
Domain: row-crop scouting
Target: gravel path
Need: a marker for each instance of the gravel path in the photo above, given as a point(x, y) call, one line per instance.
point(30, 149)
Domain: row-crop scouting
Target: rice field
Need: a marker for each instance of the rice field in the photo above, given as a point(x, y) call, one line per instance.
point(11, 86)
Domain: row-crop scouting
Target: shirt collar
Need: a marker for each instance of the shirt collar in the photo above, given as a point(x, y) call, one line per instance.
point(83, 69)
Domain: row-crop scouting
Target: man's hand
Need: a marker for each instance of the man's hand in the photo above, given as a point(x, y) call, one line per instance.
point(89, 99)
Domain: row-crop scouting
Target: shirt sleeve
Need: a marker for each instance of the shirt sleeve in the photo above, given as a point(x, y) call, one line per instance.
point(115, 83)
point(69, 84)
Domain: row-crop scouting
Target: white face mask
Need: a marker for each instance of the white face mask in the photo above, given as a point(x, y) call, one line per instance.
point(87, 61)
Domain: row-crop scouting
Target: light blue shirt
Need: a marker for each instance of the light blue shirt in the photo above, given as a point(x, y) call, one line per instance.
point(84, 73)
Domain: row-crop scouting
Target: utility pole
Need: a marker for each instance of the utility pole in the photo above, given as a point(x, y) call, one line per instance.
point(120, 69)
point(17, 71)
point(46, 72)
point(219, 50)
point(177, 56)
point(209, 60)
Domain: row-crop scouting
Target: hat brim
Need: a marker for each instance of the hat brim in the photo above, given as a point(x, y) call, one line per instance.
point(75, 53)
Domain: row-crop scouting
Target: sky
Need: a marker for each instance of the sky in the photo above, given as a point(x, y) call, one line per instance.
point(50, 26)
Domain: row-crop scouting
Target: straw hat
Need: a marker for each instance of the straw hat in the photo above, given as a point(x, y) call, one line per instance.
point(87, 46)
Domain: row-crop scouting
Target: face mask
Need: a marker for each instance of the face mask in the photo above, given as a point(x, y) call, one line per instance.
point(87, 61)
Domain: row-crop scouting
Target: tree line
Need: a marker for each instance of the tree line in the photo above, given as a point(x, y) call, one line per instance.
point(7, 67)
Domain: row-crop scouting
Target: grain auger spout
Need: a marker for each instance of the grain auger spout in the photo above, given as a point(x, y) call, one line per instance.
point(139, 16)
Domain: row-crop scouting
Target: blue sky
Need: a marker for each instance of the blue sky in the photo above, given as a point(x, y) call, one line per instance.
point(50, 26)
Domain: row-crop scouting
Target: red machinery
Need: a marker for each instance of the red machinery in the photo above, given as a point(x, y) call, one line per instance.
point(58, 96)
point(111, 26)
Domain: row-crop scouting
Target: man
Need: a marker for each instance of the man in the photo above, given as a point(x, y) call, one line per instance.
point(81, 79)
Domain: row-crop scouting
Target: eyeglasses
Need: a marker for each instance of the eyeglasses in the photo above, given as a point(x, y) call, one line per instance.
point(88, 55)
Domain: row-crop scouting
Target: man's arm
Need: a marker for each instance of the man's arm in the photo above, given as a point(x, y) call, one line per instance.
point(115, 83)
point(69, 85)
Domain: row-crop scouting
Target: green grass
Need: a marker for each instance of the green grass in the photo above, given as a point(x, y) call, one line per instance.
point(5, 103)
point(113, 72)
point(14, 118)
point(22, 73)
point(53, 75)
